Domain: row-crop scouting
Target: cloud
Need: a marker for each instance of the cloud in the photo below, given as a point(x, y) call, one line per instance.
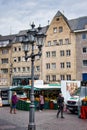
point(16, 15)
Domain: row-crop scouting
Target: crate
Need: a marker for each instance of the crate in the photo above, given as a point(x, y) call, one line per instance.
point(23, 105)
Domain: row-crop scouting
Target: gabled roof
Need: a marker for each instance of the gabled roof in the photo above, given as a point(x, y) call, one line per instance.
point(74, 24)
point(58, 14)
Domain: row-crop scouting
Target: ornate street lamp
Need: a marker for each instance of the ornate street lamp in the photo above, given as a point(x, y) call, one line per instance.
point(33, 36)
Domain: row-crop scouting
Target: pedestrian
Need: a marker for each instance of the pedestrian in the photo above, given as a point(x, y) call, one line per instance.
point(0, 99)
point(14, 101)
point(60, 102)
point(41, 101)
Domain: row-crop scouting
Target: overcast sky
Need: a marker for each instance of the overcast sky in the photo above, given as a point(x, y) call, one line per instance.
point(16, 15)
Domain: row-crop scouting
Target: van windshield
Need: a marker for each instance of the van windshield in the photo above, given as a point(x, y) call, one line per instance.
point(83, 92)
point(77, 92)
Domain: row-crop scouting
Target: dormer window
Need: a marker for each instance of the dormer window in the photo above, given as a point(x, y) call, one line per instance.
point(20, 38)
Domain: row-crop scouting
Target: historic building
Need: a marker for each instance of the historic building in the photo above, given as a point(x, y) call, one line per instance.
point(64, 55)
point(65, 50)
point(5, 60)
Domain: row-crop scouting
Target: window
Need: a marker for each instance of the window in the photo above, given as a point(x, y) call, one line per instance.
point(84, 62)
point(15, 59)
point(53, 65)
point(54, 42)
point(28, 69)
point(19, 48)
point(62, 53)
point(19, 69)
point(60, 29)
point(14, 49)
point(23, 69)
point(20, 38)
point(68, 77)
point(66, 41)
point(62, 65)
point(60, 41)
point(55, 29)
point(4, 43)
point(37, 68)
point(48, 66)
point(14, 70)
point(84, 49)
point(68, 65)
point(53, 77)
point(62, 77)
point(49, 43)
point(84, 36)
point(47, 77)
point(53, 53)
point(68, 52)
point(19, 59)
point(4, 71)
point(48, 54)
point(5, 51)
point(4, 61)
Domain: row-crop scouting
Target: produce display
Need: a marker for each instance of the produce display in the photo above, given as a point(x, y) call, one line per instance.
point(84, 102)
point(23, 104)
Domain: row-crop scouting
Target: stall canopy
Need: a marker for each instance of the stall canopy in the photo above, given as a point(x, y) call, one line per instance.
point(29, 87)
point(37, 87)
point(49, 86)
point(15, 88)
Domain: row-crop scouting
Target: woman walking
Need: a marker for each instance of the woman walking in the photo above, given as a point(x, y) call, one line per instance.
point(14, 101)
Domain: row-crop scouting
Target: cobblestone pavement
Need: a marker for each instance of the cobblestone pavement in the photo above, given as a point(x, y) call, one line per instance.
point(45, 120)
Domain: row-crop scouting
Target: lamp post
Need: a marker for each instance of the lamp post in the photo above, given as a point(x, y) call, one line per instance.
point(33, 36)
point(11, 66)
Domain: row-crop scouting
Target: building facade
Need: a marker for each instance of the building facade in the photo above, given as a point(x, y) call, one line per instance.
point(64, 54)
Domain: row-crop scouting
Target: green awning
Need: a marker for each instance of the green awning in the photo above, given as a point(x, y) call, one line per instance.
point(29, 87)
point(15, 88)
point(54, 84)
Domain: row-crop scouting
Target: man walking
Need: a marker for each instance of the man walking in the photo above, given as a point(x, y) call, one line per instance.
point(60, 102)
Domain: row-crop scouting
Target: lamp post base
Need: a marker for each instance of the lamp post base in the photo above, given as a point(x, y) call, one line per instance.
point(31, 127)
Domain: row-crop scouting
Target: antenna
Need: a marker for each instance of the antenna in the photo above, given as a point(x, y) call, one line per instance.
point(63, 11)
point(48, 22)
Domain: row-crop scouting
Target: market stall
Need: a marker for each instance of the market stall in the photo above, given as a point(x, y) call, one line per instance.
point(50, 92)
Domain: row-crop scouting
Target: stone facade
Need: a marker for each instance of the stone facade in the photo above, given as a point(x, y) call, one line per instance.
point(62, 54)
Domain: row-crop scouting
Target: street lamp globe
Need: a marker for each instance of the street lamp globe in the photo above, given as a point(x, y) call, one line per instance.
point(25, 45)
point(40, 37)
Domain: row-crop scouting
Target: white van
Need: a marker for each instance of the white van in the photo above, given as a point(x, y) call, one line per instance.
point(72, 102)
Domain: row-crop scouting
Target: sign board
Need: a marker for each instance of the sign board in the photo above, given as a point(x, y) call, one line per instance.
point(68, 88)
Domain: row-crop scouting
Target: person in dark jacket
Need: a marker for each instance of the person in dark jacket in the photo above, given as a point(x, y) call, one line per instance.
point(14, 101)
point(60, 102)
